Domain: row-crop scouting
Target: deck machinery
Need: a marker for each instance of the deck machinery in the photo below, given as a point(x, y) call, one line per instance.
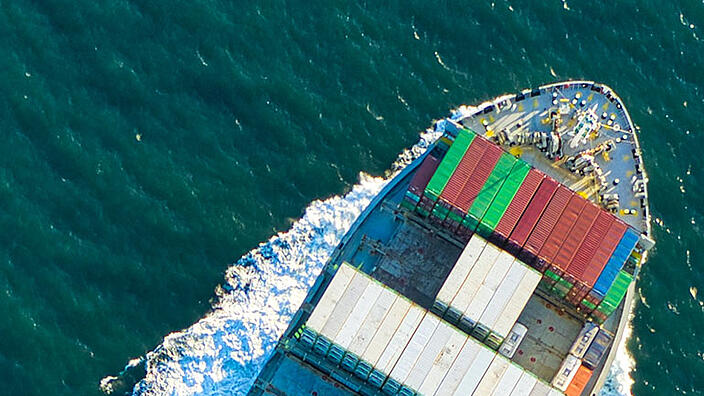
point(501, 261)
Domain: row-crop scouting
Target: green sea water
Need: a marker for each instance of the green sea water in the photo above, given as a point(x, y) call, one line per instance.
point(146, 146)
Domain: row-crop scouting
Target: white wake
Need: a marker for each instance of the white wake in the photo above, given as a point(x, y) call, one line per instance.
point(223, 352)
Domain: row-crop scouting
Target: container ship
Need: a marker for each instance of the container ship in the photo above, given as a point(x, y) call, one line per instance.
point(502, 261)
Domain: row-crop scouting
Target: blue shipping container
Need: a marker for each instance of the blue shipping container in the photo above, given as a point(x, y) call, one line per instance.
point(618, 258)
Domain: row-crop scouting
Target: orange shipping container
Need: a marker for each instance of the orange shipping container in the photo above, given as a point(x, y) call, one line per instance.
point(579, 382)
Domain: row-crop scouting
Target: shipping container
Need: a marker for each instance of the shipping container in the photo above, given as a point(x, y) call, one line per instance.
point(525, 384)
point(618, 258)
point(561, 231)
point(372, 322)
point(567, 371)
point(515, 305)
point(344, 306)
point(479, 177)
point(531, 215)
point(541, 389)
point(590, 244)
point(576, 236)
point(332, 295)
point(459, 273)
point(603, 253)
point(472, 283)
point(503, 198)
point(359, 312)
point(616, 292)
point(422, 176)
point(513, 340)
point(399, 340)
point(463, 172)
point(597, 349)
point(508, 380)
point(491, 377)
point(443, 361)
point(579, 382)
point(503, 294)
point(544, 226)
point(517, 205)
point(491, 187)
point(387, 329)
point(488, 287)
point(448, 164)
point(470, 360)
point(410, 353)
point(584, 339)
point(432, 350)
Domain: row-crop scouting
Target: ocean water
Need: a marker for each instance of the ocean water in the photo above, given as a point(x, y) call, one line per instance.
point(174, 174)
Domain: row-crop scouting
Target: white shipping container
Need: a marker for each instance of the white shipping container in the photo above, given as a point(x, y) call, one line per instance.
point(442, 362)
point(332, 295)
point(459, 368)
point(475, 278)
point(503, 294)
point(540, 389)
point(525, 384)
point(566, 373)
point(400, 339)
point(479, 303)
point(372, 322)
point(584, 339)
point(508, 381)
point(555, 392)
point(414, 348)
point(425, 361)
point(386, 330)
point(359, 313)
point(490, 379)
point(344, 307)
point(498, 270)
point(516, 303)
point(462, 267)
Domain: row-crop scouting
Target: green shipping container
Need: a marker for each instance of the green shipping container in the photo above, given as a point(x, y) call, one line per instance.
point(449, 163)
point(493, 183)
point(588, 304)
point(616, 292)
point(503, 198)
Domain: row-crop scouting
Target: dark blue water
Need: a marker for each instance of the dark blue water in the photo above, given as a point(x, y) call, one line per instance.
point(149, 145)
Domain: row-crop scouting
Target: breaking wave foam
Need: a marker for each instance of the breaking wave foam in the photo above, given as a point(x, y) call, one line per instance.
point(223, 352)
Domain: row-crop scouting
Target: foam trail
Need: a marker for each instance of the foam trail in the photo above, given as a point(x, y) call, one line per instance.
point(619, 381)
point(222, 353)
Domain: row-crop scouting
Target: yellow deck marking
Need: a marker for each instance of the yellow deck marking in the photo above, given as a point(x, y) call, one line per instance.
point(634, 203)
point(520, 107)
point(590, 97)
point(629, 173)
point(491, 118)
point(489, 133)
point(626, 158)
point(605, 106)
point(582, 194)
point(516, 151)
point(535, 103)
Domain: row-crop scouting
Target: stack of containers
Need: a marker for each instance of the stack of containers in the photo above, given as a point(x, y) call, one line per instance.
point(386, 341)
point(419, 182)
point(485, 292)
point(584, 356)
point(444, 171)
point(477, 187)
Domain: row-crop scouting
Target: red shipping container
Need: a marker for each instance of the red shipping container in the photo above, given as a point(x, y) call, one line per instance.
point(590, 244)
point(423, 174)
point(533, 212)
point(519, 203)
point(562, 229)
point(547, 221)
point(464, 170)
point(479, 177)
point(603, 252)
point(576, 236)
